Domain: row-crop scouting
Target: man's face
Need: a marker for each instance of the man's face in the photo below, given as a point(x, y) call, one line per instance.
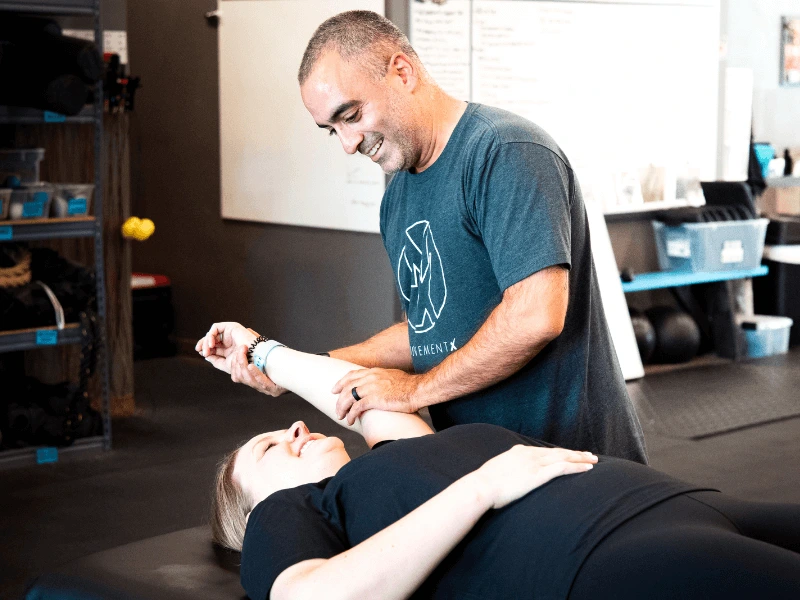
point(371, 117)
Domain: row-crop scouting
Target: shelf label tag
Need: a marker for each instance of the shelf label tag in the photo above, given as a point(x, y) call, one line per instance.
point(732, 252)
point(46, 337)
point(76, 206)
point(53, 117)
point(46, 455)
point(32, 209)
point(679, 248)
point(6, 233)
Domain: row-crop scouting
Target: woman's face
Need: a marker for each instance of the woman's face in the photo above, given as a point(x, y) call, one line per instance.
point(285, 459)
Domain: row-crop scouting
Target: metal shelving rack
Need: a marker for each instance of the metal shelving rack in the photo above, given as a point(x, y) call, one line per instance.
point(48, 229)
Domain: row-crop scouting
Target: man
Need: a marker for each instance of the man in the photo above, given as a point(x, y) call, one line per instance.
point(486, 230)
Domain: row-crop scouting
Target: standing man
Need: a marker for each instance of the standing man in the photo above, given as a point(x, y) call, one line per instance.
point(486, 230)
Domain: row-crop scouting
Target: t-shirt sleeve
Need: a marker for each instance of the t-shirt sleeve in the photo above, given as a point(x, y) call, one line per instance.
point(521, 206)
point(283, 530)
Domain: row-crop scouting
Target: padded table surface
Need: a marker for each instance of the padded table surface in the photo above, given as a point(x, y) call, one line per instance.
point(178, 565)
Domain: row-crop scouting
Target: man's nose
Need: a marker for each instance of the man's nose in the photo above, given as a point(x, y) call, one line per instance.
point(350, 141)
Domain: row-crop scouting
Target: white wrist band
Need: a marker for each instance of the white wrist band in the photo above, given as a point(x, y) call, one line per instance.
point(261, 352)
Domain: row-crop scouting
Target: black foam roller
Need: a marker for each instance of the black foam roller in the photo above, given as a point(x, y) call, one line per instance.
point(24, 83)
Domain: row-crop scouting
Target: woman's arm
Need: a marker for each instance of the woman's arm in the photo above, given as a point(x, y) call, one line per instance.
point(394, 562)
point(310, 376)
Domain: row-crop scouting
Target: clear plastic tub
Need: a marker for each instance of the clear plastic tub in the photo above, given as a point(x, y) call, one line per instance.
point(31, 202)
point(717, 246)
point(765, 335)
point(5, 202)
point(71, 199)
point(20, 166)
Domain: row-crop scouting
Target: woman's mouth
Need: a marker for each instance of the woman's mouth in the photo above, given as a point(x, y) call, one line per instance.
point(305, 446)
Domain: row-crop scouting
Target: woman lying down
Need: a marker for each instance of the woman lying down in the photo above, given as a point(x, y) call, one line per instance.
point(476, 511)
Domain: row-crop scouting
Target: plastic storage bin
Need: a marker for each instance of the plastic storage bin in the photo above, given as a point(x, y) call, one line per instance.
point(5, 202)
point(71, 199)
point(765, 335)
point(717, 246)
point(20, 166)
point(779, 292)
point(31, 202)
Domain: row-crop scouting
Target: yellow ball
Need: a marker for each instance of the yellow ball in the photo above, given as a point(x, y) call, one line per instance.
point(146, 229)
point(130, 226)
point(138, 229)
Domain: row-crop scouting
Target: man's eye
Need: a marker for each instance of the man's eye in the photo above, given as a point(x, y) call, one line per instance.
point(353, 118)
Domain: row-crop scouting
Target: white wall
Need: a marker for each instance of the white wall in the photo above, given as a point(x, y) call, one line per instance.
point(752, 30)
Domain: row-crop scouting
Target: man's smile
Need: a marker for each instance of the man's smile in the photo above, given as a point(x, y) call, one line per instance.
point(374, 150)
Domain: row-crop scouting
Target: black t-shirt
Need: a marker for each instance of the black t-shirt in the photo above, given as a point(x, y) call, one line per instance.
point(532, 548)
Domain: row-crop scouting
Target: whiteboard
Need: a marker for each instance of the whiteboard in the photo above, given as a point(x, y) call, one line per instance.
point(626, 88)
point(277, 166)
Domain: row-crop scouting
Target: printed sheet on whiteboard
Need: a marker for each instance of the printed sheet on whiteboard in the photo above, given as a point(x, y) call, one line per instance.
point(277, 166)
point(628, 89)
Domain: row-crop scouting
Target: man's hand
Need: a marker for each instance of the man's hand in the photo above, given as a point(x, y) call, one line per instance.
point(386, 389)
point(225, 346)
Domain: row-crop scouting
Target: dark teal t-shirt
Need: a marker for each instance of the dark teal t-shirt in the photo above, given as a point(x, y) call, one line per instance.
point(498, 205)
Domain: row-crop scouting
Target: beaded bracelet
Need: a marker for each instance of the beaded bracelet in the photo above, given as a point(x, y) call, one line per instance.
point(252, 347)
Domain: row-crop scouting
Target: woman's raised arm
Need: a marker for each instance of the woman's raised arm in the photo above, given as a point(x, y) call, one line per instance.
point(310, 376)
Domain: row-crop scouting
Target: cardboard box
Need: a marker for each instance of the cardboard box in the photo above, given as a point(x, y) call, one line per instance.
point(780, 201)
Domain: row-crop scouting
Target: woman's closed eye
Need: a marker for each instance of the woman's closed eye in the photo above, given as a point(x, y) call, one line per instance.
point(267, 446)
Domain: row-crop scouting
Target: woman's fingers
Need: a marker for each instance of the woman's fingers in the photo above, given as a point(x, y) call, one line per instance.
point(219, 362)
point(561, 454)
point(557, 469)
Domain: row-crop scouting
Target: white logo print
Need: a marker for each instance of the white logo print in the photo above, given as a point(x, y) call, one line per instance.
point(420, 276)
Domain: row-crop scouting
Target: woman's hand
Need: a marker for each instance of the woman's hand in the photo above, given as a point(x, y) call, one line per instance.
point(223, 338)
point(512, 474)
point(225, 346)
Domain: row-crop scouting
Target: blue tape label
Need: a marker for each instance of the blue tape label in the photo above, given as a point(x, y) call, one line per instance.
point(46, 455)
point(46, 337)
point(6, 233)
point(34, 208)
point(53, 117)
point(76, 206)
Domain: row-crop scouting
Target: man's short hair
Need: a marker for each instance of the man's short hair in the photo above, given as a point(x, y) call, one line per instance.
point(357, 34)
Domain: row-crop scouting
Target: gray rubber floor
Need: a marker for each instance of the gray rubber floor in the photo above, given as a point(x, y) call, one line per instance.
point(156, 480)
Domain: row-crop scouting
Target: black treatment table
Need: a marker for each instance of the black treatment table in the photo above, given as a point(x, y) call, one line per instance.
point(175, 566)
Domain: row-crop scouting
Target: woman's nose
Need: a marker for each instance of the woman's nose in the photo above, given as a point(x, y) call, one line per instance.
point(297, 429)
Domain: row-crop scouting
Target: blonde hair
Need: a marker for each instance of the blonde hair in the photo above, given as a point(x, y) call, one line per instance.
point(229, 506)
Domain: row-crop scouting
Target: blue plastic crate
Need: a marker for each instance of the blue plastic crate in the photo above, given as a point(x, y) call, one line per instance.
point(708, 247)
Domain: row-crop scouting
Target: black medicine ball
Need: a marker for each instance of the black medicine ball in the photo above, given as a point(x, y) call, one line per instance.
point(677, 335)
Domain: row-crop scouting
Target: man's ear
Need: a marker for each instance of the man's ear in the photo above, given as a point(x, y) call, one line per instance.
point(402, 67)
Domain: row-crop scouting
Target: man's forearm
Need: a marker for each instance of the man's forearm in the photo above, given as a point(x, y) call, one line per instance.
point(388, 349)
point(512, 335)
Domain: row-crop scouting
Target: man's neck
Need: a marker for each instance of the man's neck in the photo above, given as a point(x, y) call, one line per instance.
point(445, 112)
